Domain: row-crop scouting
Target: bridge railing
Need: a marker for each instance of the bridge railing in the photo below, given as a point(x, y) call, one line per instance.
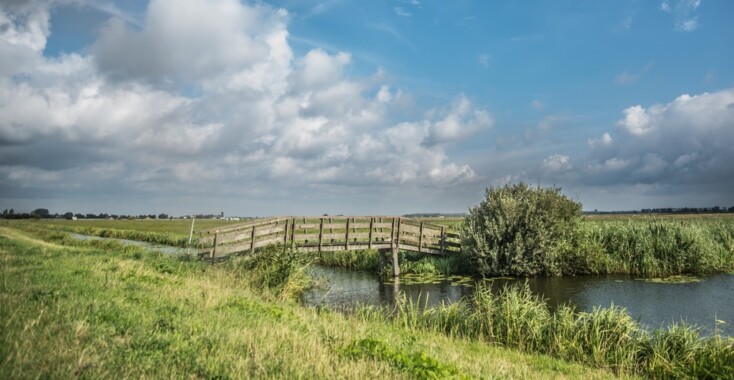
point(340, 233)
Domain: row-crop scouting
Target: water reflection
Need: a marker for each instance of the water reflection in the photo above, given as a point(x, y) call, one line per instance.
point(652, 304)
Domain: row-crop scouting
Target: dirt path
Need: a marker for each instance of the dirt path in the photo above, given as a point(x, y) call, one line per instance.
point(14, 234)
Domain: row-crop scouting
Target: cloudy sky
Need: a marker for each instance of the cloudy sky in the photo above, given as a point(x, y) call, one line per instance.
point(362, 107)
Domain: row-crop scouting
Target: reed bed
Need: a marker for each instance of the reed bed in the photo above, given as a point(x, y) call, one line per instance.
point(653, 248)
point(605, 337)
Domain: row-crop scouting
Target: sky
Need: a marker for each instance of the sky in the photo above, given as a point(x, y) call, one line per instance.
point(304, 107)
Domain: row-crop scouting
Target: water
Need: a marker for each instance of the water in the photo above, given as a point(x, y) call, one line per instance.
point(153, 247)
point(652, 304)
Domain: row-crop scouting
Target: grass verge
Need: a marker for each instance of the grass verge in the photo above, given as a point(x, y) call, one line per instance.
point(98, 310)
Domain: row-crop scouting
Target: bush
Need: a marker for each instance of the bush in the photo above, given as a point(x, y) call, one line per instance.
point(521, 230)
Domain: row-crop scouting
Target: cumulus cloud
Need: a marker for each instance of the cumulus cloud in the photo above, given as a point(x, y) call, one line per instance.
point(556, 163)
point(208, 98)
point(686, 142)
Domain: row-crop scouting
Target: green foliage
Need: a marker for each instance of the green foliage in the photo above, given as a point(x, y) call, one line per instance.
point(277, 269)
point(606, 337)
point(653, 248)
point(418, 364)
point(368, 259)
point(520, 230)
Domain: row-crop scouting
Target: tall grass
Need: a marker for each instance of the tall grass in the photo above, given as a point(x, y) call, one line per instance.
point(276, 270)
point(88, 310)
point(366, 260)
point(653, 248)
point(605, 337)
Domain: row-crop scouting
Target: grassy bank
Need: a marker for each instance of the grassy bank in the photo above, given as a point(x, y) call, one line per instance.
point(98, 309)
point(652, 248)
point(607, 338)
point(173, 232)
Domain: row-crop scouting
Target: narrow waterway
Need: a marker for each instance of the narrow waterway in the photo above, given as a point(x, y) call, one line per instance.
point(153, 247)
point(654, 304)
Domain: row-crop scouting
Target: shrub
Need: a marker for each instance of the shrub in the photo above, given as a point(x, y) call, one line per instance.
point(521, 230)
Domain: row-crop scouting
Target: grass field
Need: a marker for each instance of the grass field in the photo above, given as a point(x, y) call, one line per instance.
point(96, 309)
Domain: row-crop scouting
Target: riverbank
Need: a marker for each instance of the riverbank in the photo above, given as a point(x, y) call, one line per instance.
point(98, 309)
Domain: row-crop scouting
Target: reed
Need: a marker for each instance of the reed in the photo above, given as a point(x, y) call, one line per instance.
point(605, 337)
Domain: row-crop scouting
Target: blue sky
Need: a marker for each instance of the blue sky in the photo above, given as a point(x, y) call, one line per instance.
point(310, 107)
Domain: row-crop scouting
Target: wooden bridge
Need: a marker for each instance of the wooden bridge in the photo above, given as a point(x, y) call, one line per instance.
point(321, 234)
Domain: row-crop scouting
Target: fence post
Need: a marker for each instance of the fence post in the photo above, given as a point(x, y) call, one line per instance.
point(214, 249)
point(321, 233)
point(369, 243)
point(420, 239)
point(285, 235)
point(395, 247)
point(346, 237)
point(252, 240)
point(443, 239)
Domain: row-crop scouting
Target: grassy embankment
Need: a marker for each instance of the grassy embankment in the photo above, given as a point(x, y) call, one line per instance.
point(99, 309)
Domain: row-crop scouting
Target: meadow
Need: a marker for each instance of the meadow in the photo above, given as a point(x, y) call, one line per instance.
point(98, 309)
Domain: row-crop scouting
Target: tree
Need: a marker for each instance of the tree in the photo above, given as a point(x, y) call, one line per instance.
point(162, 216)
point(521, 230)
point(41, 212)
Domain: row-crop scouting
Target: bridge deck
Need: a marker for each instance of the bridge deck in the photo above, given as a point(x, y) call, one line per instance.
point(321, 234)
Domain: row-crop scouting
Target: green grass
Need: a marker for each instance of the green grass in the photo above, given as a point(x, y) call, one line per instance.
point(607, 338)
point(97, 309)
point(654, 248)
point(174, 232)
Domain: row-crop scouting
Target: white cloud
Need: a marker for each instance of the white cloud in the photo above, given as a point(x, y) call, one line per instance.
point(685, 14)
point(556, 163)
point(637, 120)
point(461, 120)
point(402, 12)
point(261, 117)
point(604, 141)
point(686, 142)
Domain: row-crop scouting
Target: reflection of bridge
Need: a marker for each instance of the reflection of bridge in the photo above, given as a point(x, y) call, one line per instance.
point(341, 233)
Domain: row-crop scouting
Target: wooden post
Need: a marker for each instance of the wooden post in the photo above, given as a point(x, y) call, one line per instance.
point(214, 249)
point(191, 232)
point(346, 238)
point(285, 235)
point(369, 243)
point(252, 240)
point(331, 230)
point(443, 238)
point(321, 233)
point(420, 239)
point(395, 246)
point(293, 231)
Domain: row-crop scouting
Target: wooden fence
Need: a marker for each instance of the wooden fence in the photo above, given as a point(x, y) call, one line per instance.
point(319, 234)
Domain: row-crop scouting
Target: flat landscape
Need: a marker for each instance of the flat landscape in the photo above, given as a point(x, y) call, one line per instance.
point(94, 309)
